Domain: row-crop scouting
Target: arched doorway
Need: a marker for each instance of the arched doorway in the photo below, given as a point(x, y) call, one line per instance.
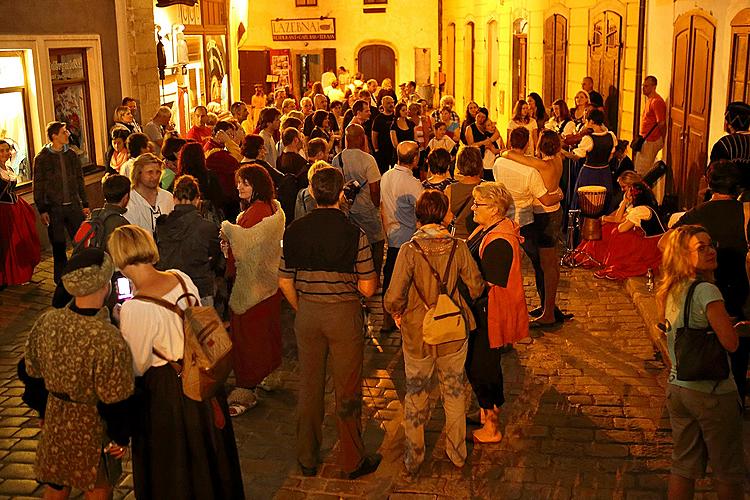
point(605, 52)
point(469, 42)
point(555, 57)
point(377, 61)
point(690, 101)
point(450, 60)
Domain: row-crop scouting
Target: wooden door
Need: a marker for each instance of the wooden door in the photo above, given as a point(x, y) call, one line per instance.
point(450, 61)
point(692, 70)
point(605, 52)
point(555, 58)
point(739, 65)
point(253, 70)
point(520, 50)
point(377, 61)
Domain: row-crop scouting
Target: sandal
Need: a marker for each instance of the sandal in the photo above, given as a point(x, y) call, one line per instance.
point(241, 400)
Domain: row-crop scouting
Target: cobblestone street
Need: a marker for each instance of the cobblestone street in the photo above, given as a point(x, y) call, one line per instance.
point(584, 417)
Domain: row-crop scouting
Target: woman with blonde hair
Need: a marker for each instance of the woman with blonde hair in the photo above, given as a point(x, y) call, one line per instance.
point(181, 448)
point(501, 314)
point(124, 119)
point(578, 111)
point(706, 416)
point(522, 117)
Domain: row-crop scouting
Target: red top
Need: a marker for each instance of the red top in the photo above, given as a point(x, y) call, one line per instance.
point(199, 134)
point(655, 112)
point(507, 316)
point(258, 211)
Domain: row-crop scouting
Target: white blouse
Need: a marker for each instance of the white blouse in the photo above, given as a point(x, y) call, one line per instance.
point(146, 326)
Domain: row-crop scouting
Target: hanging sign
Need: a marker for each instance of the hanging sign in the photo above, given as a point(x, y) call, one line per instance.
point(319, 28)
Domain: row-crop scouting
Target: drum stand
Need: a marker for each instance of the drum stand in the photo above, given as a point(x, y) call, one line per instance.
point(569, 258)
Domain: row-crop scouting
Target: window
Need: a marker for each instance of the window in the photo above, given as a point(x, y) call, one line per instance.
point(14, 118)
point(70, 90)
point(306, 3)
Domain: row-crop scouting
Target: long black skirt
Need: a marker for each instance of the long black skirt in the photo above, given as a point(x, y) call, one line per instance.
point(179, 452)
point(483, 368)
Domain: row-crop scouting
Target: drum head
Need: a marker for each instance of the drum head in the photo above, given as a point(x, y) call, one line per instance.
point(592, 189)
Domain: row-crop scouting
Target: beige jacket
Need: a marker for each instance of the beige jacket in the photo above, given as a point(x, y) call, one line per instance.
point(402, 298)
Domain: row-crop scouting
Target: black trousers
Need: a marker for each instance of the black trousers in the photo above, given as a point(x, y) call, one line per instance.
point(63, 220)
point(531, 248)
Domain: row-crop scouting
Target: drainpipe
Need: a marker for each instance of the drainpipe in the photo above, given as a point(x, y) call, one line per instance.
point(440, 48)
point(639, 66)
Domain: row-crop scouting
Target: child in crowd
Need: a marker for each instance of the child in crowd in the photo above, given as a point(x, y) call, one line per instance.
point(441, 139)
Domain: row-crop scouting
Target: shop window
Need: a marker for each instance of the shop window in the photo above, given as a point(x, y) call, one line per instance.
point(14, 119)
point(306, 3)
point(739, 72)
point(72, 98)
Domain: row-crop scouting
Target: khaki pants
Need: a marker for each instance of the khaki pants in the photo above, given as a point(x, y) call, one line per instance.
point(644, 160)
point(321, 328)
point(450, 368)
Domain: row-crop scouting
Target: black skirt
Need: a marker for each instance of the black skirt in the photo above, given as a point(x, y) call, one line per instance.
point(178, 450)
point(483, 368)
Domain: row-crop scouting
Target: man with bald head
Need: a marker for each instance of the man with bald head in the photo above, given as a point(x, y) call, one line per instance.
point(381, 134)
point(319, 102)
point(360, 167)
point(399, 190)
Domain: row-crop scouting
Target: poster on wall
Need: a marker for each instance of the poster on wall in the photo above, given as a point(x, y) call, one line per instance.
point(71, 97)
point(216, 75)
point(281, 66)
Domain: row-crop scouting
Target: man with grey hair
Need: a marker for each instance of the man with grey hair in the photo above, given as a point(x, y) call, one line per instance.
point(399, 190)
point(160, 126)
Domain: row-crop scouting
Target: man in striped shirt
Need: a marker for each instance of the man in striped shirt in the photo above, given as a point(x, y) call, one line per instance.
point(736, 145)
point(325, 267)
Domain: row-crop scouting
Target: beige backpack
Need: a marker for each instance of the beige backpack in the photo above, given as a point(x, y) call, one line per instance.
point(206, 360)
point(444, 321)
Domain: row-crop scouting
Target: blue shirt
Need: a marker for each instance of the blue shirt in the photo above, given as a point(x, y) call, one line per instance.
point(399, 190)
point(704, 294)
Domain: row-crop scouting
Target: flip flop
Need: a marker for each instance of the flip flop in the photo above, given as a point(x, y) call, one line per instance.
point(237, 409)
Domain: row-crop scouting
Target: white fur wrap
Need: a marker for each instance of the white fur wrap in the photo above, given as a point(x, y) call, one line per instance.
point(257, 254)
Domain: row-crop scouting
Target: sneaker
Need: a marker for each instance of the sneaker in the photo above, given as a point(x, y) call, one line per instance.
point(369, 465)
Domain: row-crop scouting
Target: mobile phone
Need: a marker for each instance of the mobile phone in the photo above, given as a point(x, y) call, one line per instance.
point(124, 289)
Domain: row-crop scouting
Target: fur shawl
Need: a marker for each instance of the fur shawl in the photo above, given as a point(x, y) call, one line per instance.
point(257, 253)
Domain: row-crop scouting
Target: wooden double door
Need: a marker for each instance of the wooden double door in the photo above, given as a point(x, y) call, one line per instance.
point(690, 102)
point(605, 53)
point(378, 62)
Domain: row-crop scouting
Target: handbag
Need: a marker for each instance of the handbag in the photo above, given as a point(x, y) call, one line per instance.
point(444, 321)
point(698, 353)
point(638, 140)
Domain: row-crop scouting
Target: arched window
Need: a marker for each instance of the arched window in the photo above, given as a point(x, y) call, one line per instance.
point(739, 66)
point(492, 69)
point(555, 57)
point(469, 63)
point(450, 60)
point(520, 58)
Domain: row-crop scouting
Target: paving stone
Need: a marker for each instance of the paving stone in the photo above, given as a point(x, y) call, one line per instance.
point(16, 487)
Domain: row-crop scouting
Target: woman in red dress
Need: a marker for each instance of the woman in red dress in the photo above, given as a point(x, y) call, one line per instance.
point(19, 242)
point(629, 244)
point(254, 254)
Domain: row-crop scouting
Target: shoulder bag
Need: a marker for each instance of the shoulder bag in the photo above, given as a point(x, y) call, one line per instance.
point(698, 353)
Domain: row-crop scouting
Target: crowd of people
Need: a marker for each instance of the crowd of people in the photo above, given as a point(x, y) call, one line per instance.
point(363, 209)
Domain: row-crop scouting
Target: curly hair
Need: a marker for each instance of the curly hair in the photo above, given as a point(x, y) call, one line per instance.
point(676, 267)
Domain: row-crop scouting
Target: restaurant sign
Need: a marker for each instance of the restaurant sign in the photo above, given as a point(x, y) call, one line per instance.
point(319, 28)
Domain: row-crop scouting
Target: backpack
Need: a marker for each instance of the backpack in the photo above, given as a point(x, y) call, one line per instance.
point(91, 232)
point(444, 321)
point(206, 360)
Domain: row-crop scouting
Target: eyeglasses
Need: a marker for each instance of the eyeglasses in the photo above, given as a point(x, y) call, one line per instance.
point(475, 204)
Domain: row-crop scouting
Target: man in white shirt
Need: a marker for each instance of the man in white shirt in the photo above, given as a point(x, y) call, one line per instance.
point(525, 185)
point(147, 200)
point(333, 92)
point(399, 190)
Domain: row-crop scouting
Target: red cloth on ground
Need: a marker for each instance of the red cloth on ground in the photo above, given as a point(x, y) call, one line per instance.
point(256, 333)
point(626, 254)
point(20, 250)
point(507, 315)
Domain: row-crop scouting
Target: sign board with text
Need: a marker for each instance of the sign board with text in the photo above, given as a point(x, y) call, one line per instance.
point(319, 28)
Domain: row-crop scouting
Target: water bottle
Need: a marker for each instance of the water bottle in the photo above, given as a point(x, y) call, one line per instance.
point(650, 280)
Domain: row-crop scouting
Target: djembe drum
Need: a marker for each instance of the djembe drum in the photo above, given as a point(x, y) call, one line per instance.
point(591, 202)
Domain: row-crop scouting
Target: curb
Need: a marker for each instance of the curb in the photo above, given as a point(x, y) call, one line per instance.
point(645, 304)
